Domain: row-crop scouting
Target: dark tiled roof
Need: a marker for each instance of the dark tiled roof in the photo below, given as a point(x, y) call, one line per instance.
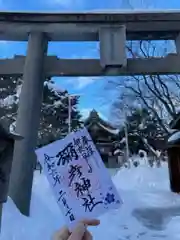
point(95, 118)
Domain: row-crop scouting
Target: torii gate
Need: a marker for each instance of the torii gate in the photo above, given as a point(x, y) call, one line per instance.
point(111, 29)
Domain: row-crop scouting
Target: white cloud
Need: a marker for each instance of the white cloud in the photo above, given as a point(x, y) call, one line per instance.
point(82, 82)
point(85, 113)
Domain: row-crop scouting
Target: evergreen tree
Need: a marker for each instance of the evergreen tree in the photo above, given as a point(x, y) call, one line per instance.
point(8, 99)
point(141, 124)
point(54, 112)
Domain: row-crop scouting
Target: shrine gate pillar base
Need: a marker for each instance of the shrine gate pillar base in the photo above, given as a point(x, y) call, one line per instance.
point(28, 122)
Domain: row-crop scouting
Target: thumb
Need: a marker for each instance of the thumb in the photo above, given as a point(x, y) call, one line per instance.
point(78, 232)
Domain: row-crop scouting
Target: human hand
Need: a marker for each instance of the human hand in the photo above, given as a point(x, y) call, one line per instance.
point(79, 233)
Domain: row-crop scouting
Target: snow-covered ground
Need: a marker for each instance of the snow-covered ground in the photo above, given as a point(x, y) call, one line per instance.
point(150, 210)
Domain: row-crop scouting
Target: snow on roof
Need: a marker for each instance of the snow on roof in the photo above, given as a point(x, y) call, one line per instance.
point(94, 116)
point(174, 137)
point(123, 140)
point(118, 151)
point(112, 131)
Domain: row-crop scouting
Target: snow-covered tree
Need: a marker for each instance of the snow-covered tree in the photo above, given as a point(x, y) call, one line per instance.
point(54, 112)
point(8, 99)
point(143, 128)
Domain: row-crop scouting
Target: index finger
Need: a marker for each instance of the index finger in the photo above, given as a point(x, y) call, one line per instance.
point(91, 222)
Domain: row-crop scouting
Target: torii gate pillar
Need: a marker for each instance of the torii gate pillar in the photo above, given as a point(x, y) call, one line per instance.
point(28, 122)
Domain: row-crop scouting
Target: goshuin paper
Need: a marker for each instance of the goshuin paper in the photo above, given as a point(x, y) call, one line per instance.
point(78, 177)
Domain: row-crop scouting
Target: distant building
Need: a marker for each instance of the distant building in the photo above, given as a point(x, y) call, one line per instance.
point(105, 136)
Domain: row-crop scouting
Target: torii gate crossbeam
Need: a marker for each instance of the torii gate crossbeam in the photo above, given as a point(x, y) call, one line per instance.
point(142, 25)
point(57, 67)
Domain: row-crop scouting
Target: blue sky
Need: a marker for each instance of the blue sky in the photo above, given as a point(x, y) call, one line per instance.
point(91, 89)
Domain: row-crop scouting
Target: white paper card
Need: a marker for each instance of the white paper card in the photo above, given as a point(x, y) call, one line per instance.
point(80, 181)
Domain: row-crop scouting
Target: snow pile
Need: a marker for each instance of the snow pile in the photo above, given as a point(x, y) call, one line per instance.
point(45, 215)
point(174, 137)
point(150, 210)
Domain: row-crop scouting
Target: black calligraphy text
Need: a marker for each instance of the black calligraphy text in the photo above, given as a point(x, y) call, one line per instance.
point(63, 199)
point(90, 203)
point(84, 149)
point(75, 171)
point(68, 154)
point(82, 187)
point(51, 168)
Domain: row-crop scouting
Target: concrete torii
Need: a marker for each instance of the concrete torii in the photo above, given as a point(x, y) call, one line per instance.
point(111, 29)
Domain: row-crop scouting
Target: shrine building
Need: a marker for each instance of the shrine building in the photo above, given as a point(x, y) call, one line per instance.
point(105, 136)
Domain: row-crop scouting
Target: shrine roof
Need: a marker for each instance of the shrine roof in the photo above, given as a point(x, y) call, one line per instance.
point(94, 118)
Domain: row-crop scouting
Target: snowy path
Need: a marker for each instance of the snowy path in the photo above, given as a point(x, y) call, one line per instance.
point(150, 210)
point(156, 218)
